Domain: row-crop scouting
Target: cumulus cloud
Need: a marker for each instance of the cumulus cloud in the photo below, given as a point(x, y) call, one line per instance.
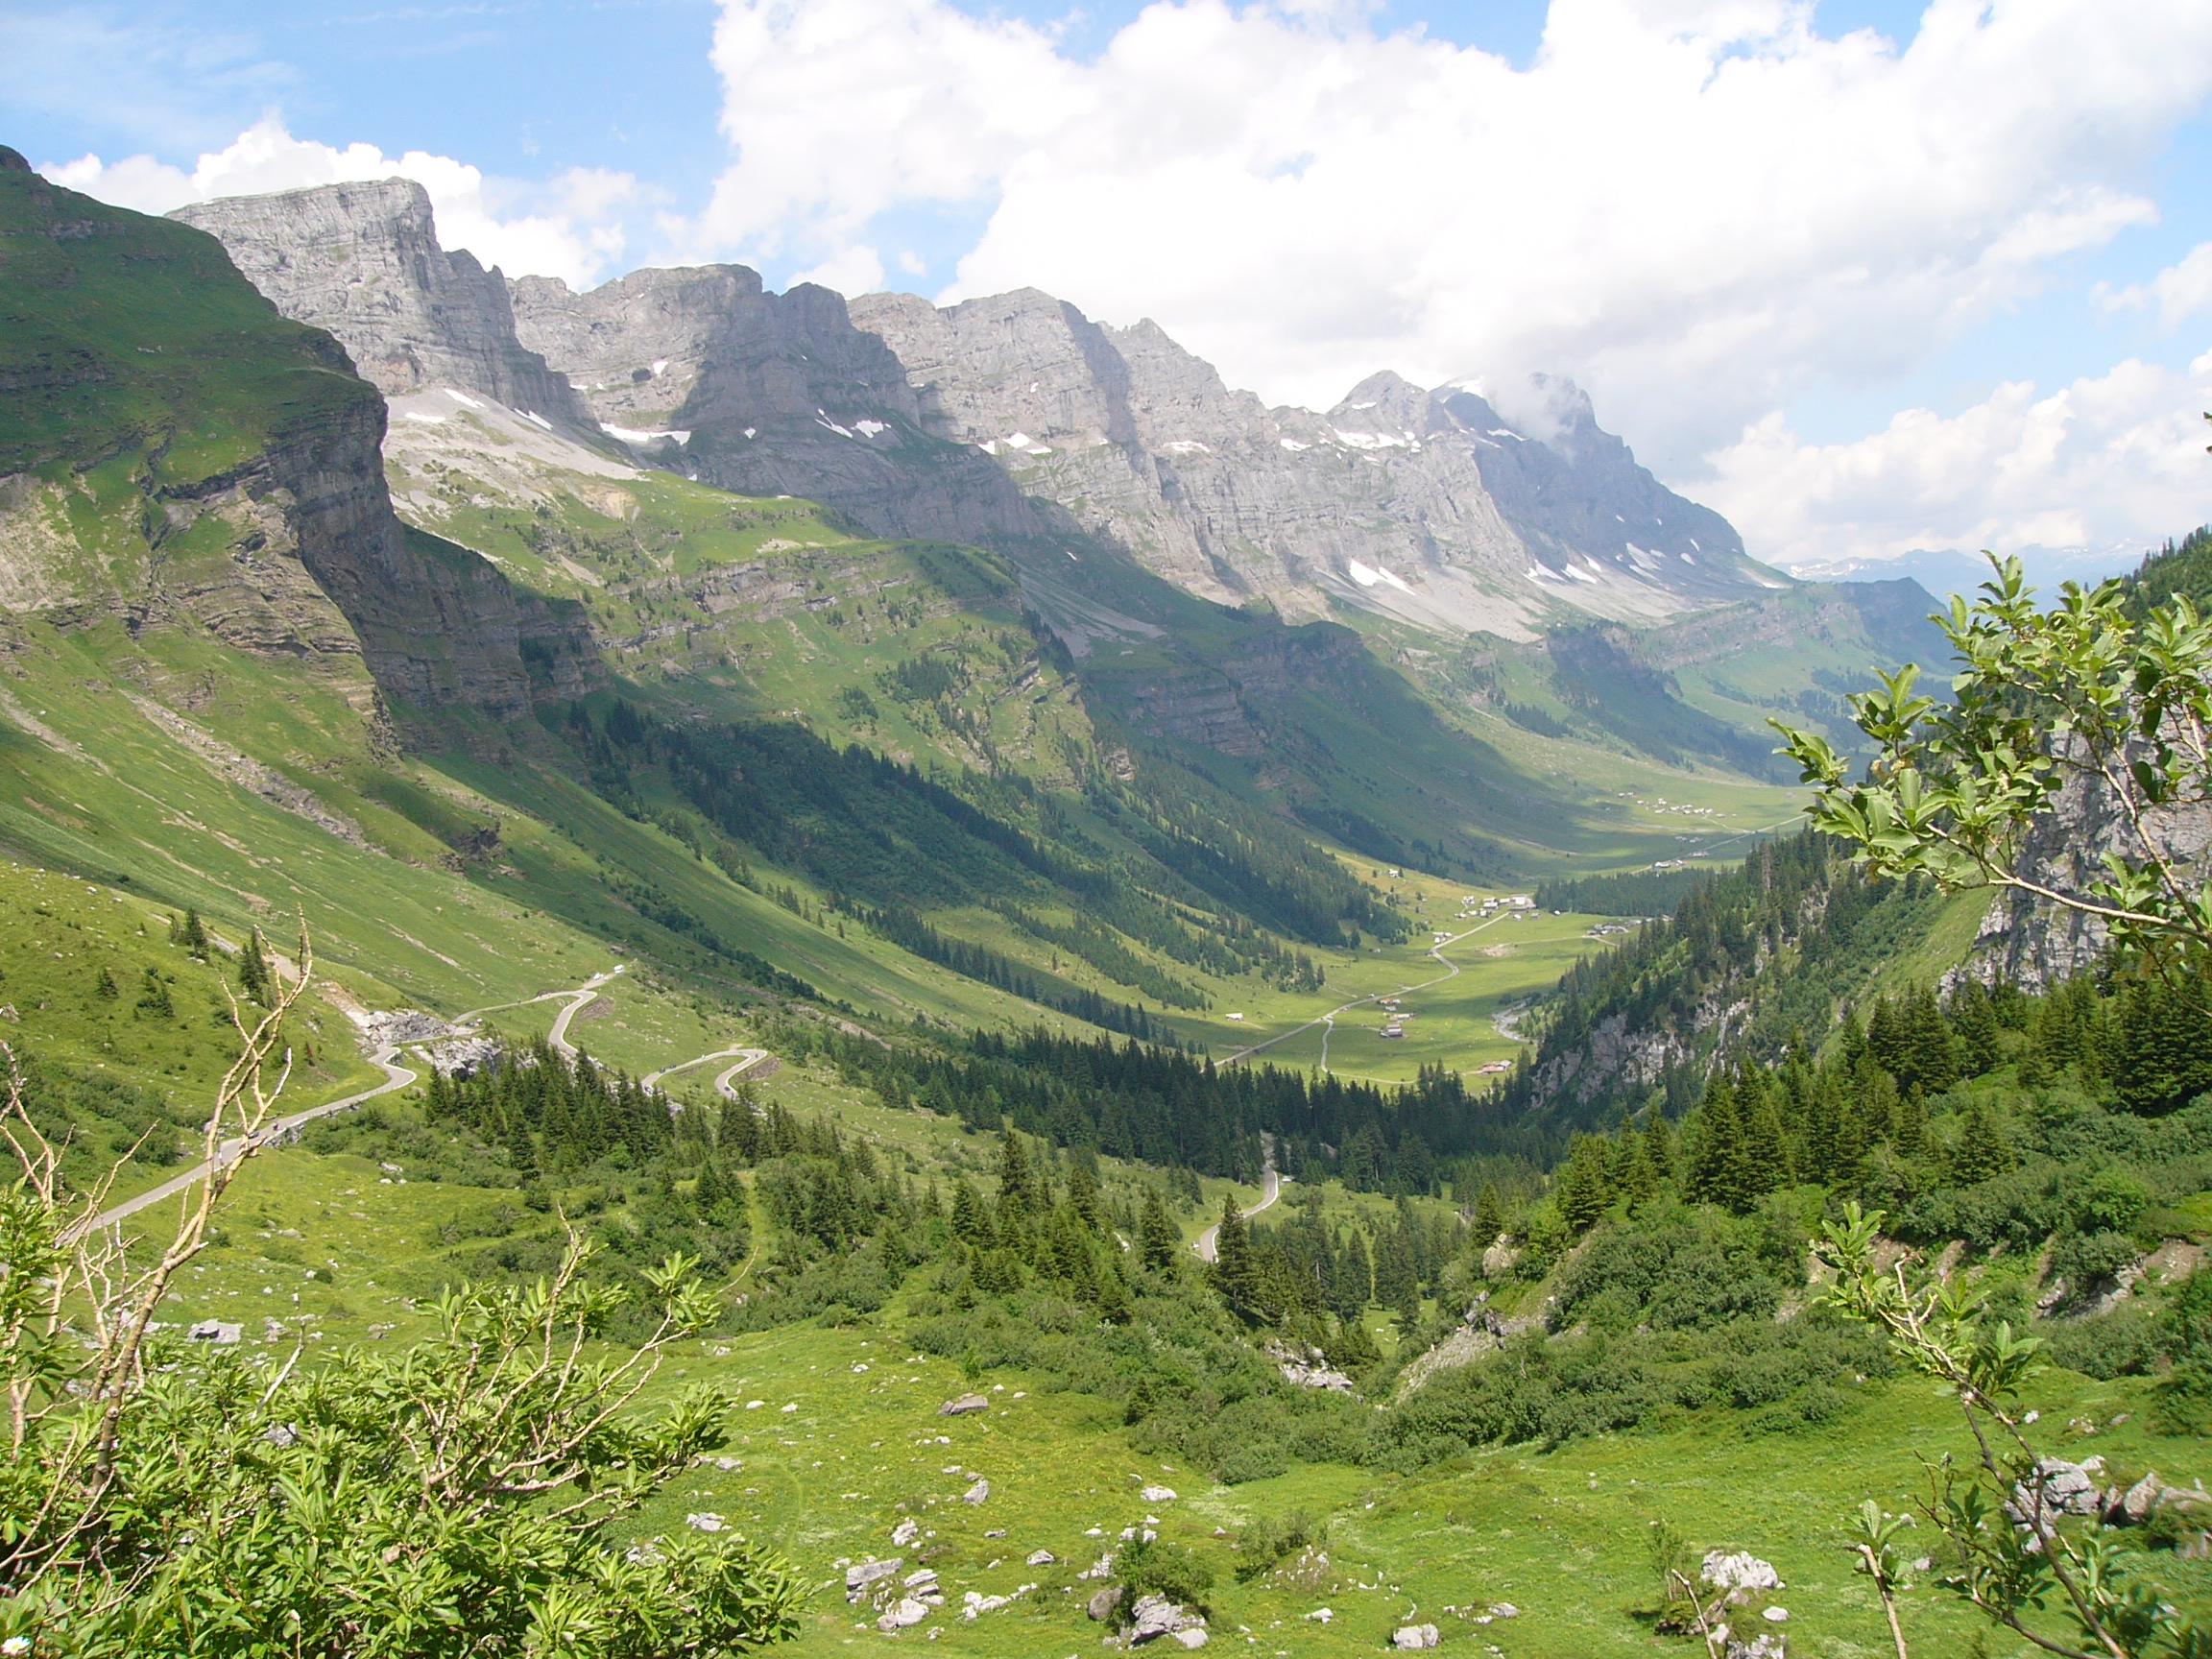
point(2115, 462)
point(2177, 293)
point(1699, 209)
point(569, 228)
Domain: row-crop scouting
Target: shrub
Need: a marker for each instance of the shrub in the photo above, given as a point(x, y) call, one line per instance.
point(2121, 1343)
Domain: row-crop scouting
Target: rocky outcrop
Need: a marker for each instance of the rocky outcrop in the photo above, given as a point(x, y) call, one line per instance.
point(261, 512)
point(704, 370)
point(362, 260)
point(1425, 505)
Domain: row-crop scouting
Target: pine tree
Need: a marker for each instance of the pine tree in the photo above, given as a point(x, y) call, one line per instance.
point(1017, 1182)
point(1489, 1216)
point(1662, 1145)
point(970, 1225)
point(1159, 1242)
point(1715, 1134)
point(1982, 1149)
point(153, 998)
point(193, 935)
point(104, 987)
point(253, 977)
point(1235, 1273)
point(1585, 1184)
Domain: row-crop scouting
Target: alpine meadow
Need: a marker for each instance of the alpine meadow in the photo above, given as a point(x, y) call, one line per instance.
point(691, 965)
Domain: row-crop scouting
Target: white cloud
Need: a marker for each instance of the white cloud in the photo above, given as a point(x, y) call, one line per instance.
point(2117, 460)
point(1698, 210)
point(575, 234)
point(2177, 293)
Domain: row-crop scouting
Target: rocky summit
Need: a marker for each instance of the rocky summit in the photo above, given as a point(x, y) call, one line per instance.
point(1016, 423)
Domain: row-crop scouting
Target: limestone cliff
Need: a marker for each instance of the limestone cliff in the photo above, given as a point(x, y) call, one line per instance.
point(208, 463)
point(1429, 506)
point(704, 370)
point(363, 261)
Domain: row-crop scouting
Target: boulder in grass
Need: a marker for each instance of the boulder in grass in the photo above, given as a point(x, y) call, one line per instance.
point(1103, 1601)
point(1158, 1494)
point(1740, 1575)
point(1153, 1617)
point(1412, 1636)
point(860, 1579)
point(976, 1492)
point(906, 1531)
point(908, 1611)
point(1191, 1636)
point(964, 1405)
point(1041, 1558)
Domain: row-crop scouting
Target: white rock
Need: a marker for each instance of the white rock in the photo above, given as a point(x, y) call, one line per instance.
point(1410, 1636)
point(1158, 1494)
point(908, 1611)
point(1776, 1615)
point(1322, 1614)
point(1042, 1558)
point(976, 1492)
point(1195, 1637)
point(1504, 1610)
point(706, 1522)
point(1740, 1573)
point(906, 1531)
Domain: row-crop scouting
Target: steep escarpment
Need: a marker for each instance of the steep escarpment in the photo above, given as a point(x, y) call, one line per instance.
point(176, 453)
point(363, 261)
point(704, 370)
point(1428, 506)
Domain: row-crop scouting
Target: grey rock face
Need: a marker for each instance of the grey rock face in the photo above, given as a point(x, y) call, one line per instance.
point(704, 370)
point(1425, 505)
point(363, 261)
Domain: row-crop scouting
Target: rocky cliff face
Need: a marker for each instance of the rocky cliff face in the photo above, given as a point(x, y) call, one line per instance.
point(1429, 506)
point(250, 498)
point(702, 369)
point(363, 261)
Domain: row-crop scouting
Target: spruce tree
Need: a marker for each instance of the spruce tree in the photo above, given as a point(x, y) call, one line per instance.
point(1662, 1145)
point(1714, 1134)
point(194, 935)
point(1982, 1149)
point(1489, 1216)
point(253, 969)
point(1585, 1185)
point(1016, 1183)
point(1158, 1241)
point(1233, 1268)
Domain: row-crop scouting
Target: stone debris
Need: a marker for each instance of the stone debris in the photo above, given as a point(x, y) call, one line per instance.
point(1740, 1575)
point(1771, 1645)
point(976, 1492)
point(1158, 1495)
point(859, 1580)
point(1155, 1616)
point(902, 1613)
point(1042, 1558)
point(979, 1602)
point(1504, 1610)
point(1410, 1636)
point(1099, 1568)
point(906, 1531)
point(1191, 1636)
point(2058, 1488)
point(1307, 1367)
point(215, 1331)
point(1103, 1601)
point(1322, 1615)
point(705, 1521)
point(965, 1403)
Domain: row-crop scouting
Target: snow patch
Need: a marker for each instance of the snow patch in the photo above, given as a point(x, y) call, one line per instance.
point(426, 420)
point(463, 399)
point(535, 418)
point(659, 366)
point(1367, 576)
point(1187, 447)
point(1293, 444)
point(869, 428)
point(629, 435)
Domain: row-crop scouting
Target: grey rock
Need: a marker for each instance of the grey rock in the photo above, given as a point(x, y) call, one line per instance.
point(963, 1405)
point(215, 1331)
point(1412, 1636)
point(2057, 1488)
point(1153, 1617)
point(363, 261)
point(978, 1493)
point(1103, 1601)
point(778, 395)
point(1041, 1558)
point(1478, 521)
point(903, 1613)
point(859, 1580)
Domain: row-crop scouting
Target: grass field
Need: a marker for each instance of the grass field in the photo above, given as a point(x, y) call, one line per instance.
point(322, 1251)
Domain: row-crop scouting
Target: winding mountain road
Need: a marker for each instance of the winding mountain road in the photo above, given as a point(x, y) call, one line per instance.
point(1270, 1189)
point(398, 1076)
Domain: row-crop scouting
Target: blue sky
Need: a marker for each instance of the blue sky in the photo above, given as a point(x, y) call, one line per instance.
point(527, 91)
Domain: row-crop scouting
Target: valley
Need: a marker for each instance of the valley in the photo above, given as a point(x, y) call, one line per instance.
point(1273, 949)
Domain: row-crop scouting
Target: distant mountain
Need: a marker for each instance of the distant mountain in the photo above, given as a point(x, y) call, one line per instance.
point(1426, 506)
point(1951, 571)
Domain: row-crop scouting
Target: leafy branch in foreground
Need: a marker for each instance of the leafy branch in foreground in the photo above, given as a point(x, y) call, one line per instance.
point(2013, 1548)
point(458, 1497)
point(2081, 697)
